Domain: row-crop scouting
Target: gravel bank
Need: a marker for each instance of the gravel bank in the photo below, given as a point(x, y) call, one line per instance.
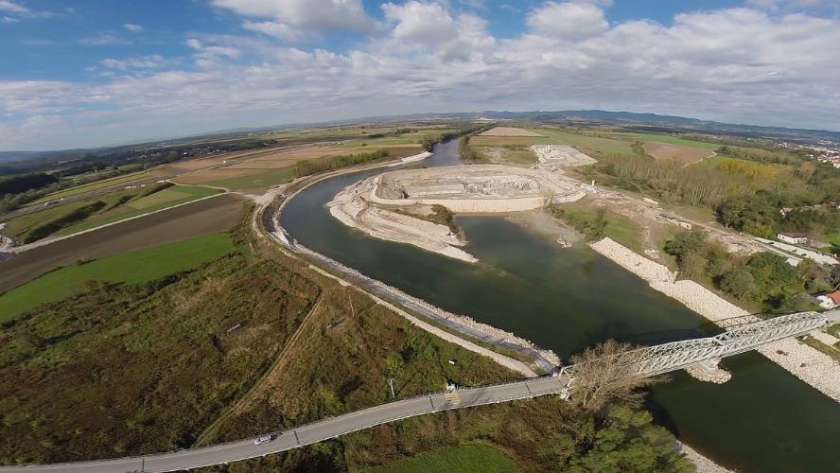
point(806, 363)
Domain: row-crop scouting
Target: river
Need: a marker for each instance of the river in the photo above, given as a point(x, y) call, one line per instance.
point(763, 420)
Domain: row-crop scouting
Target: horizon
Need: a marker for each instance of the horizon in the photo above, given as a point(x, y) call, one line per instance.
point(361, 119)
point(89, 75)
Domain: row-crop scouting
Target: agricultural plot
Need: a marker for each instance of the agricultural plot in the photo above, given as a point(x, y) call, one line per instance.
point(679, 154)
point(269, 168)
point(141, 205)
point(509, 131)
point(178, 224)
point(132, 268)
point(750, 169)
point(115, 182)
point(667, 139)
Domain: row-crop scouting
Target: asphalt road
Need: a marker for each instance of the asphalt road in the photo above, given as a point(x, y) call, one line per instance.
point(310, 433)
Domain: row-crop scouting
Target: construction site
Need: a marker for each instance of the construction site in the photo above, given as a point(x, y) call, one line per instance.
point(402, 205)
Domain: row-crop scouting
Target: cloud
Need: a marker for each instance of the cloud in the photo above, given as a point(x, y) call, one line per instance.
point(104, 39)
point(742, 64)
point(131, 27)
point(11, 7)
point(293, 20)
point(139, 63)
point(568, 20)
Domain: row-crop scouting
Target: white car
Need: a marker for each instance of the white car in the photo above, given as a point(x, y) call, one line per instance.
point(263, 439)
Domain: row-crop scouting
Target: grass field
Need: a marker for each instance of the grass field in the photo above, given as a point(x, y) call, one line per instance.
point(598, 223)
point(262, 178)
point(680, 154)
point(513, 147)
point(138, 206)
point(117, 206)
point(669, 139)
point(467, 458)
point(132, 268)
point(97, 185)
point(833, 238)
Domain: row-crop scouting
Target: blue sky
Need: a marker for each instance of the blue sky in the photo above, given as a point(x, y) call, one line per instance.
point(88, 73)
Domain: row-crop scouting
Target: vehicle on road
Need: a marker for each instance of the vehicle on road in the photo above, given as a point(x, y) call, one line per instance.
point(264, 439)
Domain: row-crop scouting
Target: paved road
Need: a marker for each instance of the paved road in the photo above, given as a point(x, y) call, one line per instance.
point(310, 433)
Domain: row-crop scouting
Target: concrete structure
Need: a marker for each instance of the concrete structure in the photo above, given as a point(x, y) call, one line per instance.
point(793, 238)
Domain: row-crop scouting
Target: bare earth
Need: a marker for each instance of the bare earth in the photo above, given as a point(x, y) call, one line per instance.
point(370, 205)
point(509, 131)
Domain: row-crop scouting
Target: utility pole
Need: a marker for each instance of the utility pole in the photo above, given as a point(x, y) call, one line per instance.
point(391, 385)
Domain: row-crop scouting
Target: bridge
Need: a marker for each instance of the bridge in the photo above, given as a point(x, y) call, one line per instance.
point(747, 334)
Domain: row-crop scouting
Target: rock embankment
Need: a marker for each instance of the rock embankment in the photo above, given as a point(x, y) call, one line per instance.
point(806, 363)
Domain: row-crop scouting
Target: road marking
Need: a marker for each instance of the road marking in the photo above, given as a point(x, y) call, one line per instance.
point(296, 437)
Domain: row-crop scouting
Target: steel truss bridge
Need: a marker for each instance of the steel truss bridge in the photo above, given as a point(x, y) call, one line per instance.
point(743, 334)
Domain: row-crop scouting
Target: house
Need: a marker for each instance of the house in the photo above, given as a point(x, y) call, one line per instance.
point(830, 300)
point(793, 238)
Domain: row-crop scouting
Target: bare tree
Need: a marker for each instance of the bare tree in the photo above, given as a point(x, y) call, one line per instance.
point(604, 373)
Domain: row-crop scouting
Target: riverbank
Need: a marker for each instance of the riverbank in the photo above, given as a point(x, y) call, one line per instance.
point(431, 318)
point(806, 363)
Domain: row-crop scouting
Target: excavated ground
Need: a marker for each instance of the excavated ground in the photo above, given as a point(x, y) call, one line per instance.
point(390, 206)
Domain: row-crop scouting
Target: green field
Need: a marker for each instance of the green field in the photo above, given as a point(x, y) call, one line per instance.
point(138, 206)
point(131, 268)
point(92, 186)
point(262, 179)
point(599, 223)
point(668, 139)
point(116, 208)
point(467, 458)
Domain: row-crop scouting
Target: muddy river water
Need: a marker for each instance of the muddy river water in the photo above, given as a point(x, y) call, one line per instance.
point(763, 420)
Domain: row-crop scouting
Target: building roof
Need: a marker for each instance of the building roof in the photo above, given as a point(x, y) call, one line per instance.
point(835, 296)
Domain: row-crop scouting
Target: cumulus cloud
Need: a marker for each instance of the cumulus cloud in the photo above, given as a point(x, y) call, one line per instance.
point(140, 63)
point(743, 64)
point(296, 19)
point(11, 7)
point(568, 20)
point(131, 27)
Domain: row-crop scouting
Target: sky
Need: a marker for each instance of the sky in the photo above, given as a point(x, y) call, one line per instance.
point(87, 73)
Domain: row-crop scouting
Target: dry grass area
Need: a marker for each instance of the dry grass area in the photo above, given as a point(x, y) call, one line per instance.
point(509, 131)
point(677, 153)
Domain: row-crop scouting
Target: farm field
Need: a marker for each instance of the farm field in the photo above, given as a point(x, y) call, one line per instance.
point(269, 168)
point(124, 180)
point(667, 139)
point(467, 458)
point(172, 196)
point(77, 216)
point(679, 154)
point(131, 268)
point(200, 218)
point(514, 149)
point(509, 131)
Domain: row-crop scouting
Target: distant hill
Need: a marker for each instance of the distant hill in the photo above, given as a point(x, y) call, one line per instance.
point(683, 123)
point(17, 161)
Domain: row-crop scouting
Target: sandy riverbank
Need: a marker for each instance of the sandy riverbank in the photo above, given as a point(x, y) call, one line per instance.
point(806, 363)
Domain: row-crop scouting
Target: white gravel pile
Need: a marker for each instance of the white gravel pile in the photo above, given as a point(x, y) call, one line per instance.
point(704, 465)
point(806, 363)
